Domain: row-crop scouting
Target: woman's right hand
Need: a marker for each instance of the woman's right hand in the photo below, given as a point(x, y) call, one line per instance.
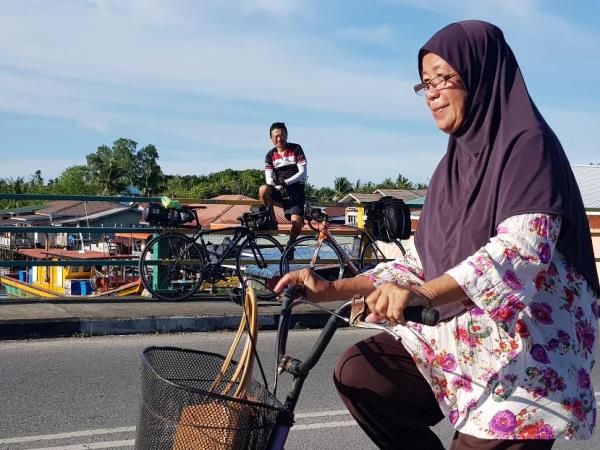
point(316, 289)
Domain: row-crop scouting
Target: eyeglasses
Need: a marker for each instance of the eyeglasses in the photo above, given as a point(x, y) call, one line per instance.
point(439, 82)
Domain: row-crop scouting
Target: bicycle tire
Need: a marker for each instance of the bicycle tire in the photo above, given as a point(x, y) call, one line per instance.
point(329, 262)
point(370, 255)
point(250, 262)
point(184, 263)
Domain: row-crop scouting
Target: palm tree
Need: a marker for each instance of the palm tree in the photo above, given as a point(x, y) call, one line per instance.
point(341, 186)
point(403, 183)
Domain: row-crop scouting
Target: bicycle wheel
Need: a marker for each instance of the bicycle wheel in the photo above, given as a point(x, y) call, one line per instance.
point(370, 255)
point(259, 259)
point(171, 267)
point(307, 252)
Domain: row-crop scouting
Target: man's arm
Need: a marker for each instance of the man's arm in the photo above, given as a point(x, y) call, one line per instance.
point(298, 176)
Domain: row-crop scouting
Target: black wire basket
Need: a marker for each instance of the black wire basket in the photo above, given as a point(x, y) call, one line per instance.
point(179, 411)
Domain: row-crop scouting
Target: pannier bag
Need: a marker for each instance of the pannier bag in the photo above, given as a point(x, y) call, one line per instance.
point(157, 214)
point(389, 219)
point(259, 218)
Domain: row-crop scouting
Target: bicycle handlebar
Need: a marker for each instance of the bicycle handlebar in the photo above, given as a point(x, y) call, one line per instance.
point(417, 314)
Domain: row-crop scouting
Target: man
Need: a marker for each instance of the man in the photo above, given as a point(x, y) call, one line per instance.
point(285, 175)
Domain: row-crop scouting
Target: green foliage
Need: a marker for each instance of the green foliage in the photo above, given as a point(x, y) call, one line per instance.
point(341, 186)
point(74, 180)
point(146, 173)
point(110, 170)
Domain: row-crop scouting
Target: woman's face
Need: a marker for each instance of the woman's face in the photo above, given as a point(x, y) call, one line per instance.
point(447, 101)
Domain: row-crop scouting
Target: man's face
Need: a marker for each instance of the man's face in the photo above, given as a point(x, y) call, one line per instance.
point(279, 138)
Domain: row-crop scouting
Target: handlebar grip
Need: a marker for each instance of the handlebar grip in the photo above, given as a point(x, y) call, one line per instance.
point(423, 315)
point(293, 291)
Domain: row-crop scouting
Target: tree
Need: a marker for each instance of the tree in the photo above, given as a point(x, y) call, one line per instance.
point(403, 183)
point(74, 180)
point(386, 184)
point(147, 175)
point(112, 167)
point(341, 186)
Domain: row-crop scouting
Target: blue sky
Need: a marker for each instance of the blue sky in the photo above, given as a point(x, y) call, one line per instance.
point(203, 80)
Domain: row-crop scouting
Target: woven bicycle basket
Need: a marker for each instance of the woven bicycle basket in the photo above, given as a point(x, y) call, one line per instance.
point(179, 411)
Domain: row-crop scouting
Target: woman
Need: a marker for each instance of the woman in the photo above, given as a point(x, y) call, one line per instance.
point(503, 250)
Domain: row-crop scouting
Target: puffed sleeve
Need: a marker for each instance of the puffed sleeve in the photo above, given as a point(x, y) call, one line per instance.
point(405, 270)
point(500, 277)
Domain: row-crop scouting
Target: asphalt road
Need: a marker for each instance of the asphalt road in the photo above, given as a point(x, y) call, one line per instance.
point(83, 393)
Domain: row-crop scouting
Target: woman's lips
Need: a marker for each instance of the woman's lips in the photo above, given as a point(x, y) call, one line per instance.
point(437, 110)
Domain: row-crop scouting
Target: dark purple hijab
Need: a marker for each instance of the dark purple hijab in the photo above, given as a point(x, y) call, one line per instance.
point(503, 161)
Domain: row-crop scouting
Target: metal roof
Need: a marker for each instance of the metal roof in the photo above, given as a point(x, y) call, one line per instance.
point(99, 215)
point(21, 210)
point(357, 197)
point(76, 208)
point(588, 180)
point(404, 194)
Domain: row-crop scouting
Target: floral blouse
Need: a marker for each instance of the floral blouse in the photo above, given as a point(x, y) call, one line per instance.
point(514, 361)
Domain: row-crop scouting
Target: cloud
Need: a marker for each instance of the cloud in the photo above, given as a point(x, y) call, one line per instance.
point(378, 34)
point(110, 44)
point(275, 8)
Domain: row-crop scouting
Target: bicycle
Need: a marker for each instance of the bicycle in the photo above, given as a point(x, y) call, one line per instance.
point(173, 266)
point(323, 254)
point(175, 380)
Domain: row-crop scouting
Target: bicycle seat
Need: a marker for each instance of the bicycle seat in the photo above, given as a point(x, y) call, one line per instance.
point(315, 214)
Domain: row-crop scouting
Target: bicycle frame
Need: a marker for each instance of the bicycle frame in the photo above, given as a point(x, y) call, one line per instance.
point(298, 369)
point(301, 369)
point(323, 235)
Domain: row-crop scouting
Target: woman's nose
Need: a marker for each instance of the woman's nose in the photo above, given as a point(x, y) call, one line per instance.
point(432, 93)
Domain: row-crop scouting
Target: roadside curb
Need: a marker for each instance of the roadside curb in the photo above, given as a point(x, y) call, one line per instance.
point(80, 327)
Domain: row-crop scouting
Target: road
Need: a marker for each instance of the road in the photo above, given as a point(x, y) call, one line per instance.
point(83, 393)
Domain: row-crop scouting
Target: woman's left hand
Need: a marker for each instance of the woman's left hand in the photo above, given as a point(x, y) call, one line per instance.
point(389, 300)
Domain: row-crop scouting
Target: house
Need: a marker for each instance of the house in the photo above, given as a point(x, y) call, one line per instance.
point(64, 213)
point(355, 211)
point(588, 180)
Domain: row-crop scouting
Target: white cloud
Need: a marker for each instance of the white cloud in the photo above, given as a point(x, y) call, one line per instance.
point(378, 34)
point(276, 8)
point(113, 44)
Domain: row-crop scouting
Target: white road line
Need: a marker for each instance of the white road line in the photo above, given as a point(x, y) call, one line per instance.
point(339, 412)
point(83, 433)
point(92, 445)
point(314, 426)
point(51, 437)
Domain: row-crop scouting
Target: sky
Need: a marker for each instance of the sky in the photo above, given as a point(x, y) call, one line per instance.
point(203, 80)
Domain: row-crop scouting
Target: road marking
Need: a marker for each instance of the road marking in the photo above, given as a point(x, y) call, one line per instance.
point(92, 445)
point(83, 433)
point(51, 437)
point(313, 426)
point(338, 412)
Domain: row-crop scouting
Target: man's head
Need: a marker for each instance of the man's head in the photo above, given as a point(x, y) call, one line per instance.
point(278, 134)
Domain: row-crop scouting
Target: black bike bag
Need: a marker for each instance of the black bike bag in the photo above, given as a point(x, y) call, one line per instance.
point(389, 219)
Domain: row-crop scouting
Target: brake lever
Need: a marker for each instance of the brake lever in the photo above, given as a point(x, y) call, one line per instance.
point(359, 313)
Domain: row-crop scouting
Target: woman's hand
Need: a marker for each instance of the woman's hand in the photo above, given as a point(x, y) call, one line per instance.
point(315, 288)
point(389, 300)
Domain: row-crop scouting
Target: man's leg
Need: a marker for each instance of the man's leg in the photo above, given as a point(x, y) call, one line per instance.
point(297, 224)
point(267, 195)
